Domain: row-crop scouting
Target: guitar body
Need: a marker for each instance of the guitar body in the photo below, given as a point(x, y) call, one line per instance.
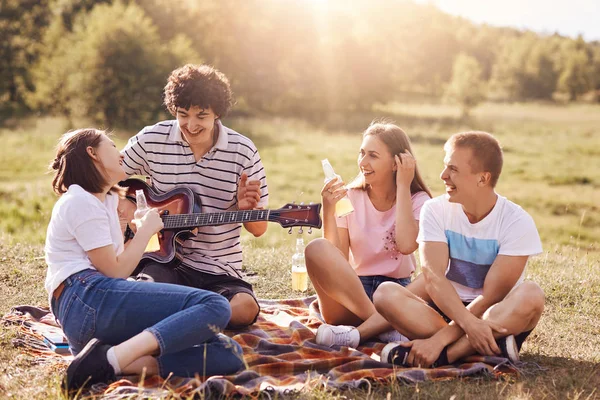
point(180, 211)
point(178, 201)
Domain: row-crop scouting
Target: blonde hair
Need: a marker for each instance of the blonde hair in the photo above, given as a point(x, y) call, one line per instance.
point(397, 141)
point(486, 151)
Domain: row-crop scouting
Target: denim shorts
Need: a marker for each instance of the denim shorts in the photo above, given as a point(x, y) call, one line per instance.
point(372, 282)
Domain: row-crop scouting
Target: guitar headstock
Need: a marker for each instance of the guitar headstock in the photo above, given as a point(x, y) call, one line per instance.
point(301, 214)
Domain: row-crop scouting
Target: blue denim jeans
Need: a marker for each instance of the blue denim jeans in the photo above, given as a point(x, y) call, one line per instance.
point(185, 321)
point(372, 282)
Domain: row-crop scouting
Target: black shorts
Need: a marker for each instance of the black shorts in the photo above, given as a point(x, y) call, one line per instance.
point(179, 274)
point(520, 338)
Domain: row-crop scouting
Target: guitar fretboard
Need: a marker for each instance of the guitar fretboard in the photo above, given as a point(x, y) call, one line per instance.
point(210, 219)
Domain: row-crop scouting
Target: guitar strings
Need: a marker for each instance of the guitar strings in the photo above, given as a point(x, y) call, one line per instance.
point(226, 217)
point(212, 218)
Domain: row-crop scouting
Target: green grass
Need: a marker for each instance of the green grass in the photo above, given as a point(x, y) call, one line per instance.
point(552, 169)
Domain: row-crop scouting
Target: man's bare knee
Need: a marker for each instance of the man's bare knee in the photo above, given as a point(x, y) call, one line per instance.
point(531, 296)
point(526, 301)
point(243, 310)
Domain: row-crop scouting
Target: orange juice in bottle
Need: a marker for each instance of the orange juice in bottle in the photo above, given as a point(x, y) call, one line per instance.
point(299, 273)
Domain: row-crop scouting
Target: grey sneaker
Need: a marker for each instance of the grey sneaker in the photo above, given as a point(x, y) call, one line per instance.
point(337, 335)
point(508, 347)
point(392, 336)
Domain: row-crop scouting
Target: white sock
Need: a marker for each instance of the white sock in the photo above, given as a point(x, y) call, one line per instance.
point(112, 360)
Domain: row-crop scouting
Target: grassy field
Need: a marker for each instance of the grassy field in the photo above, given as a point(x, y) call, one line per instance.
point(552, 168)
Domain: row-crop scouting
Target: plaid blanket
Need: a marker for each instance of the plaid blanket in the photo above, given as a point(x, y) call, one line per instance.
point(281, 355)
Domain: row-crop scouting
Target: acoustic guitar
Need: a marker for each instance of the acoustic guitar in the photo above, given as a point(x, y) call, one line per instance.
point(181, 212)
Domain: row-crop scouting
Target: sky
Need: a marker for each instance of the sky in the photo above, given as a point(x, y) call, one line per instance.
point(569, 18)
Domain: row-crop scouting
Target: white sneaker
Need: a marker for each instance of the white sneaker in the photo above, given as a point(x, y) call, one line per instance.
point(337, 335)
point(392, 336)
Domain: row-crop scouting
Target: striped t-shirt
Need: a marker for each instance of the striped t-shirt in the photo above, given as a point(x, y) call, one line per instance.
point(473, 248)
point(161, 153)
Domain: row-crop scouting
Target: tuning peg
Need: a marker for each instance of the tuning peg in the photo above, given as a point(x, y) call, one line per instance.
point(310, 230)
point(290, 231)
point(300, 231)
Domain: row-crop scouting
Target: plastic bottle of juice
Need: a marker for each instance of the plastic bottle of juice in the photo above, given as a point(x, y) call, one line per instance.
point(299, 274)
point(344, 206)
point(142, 209)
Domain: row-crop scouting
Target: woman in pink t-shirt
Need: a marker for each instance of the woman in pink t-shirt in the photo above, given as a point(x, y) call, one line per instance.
point(374, 244)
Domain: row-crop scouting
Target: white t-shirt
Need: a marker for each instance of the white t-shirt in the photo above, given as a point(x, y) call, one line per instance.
point(80, 222)
point(506, 230)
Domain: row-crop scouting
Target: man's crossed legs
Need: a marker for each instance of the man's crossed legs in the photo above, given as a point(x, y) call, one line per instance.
point(411, 311)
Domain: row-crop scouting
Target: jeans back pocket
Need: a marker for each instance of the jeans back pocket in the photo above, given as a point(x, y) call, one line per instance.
point(78, 322)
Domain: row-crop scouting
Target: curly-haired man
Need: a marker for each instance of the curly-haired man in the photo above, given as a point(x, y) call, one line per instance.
point(224, 170)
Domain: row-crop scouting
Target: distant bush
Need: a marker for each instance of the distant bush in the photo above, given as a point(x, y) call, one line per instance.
point(111, 68)
point(466, 87)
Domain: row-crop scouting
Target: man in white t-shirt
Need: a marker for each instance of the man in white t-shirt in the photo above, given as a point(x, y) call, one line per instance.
point(474, 246)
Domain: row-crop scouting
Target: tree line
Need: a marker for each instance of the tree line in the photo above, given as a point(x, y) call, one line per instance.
point(108, 60)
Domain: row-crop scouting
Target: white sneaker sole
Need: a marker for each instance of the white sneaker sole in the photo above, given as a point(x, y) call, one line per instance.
point(319, 337)
point(511, 348)
point(385, 352)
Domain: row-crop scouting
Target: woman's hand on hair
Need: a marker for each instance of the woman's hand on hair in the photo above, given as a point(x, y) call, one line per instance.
point(405, 169)
point(332, 192)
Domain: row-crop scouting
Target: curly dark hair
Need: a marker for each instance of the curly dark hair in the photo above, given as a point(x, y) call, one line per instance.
point(198, 85)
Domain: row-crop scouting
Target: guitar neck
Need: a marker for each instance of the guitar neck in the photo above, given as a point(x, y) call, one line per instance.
point(182, 221)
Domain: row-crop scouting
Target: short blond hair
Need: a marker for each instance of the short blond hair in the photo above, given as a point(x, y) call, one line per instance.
point(487, 152)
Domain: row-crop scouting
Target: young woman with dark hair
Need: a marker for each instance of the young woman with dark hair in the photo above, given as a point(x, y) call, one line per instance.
point(115, 326)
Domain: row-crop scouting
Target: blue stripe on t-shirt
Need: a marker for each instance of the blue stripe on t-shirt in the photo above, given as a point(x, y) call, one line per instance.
point(472, 250)
point(467, 274)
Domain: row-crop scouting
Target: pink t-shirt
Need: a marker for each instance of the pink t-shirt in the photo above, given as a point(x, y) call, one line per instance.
point(372, 237)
